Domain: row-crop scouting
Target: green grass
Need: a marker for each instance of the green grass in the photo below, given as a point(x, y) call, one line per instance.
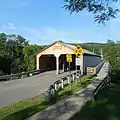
point(106, 107)
point(24, 109)
point(85, 80)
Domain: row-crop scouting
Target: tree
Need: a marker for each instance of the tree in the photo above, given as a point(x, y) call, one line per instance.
point(5, 64)
point(29, 56)
point(3, 39)
point(110, 42)
point(112, 54)
point(118, 42)
point(14, 48)
point(103, 10)
point(16, 55)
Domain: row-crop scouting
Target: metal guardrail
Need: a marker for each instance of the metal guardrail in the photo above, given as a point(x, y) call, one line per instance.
point(22, 75)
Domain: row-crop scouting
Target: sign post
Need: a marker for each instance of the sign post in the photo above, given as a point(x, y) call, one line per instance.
point(70, 77)
point(77, 64)
point(69, 60)
point(78, 51)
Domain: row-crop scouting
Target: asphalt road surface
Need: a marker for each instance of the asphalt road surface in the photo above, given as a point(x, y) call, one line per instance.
point(21, 89)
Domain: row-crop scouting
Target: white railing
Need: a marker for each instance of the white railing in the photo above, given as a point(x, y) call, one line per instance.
point(61, 82)
point(90, 91)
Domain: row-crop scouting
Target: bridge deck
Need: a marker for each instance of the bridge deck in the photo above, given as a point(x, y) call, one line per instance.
point(21, 89)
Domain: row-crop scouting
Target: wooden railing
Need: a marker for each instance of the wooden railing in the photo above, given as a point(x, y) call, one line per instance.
point(98, 67)
point(102, 85)
point(102, 80)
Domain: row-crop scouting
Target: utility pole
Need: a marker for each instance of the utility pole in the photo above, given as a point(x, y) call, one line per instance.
point(101, 54)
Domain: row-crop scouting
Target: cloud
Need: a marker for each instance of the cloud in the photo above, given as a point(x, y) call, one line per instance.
point(9, 26)
point(49, 34)
point(45, 35)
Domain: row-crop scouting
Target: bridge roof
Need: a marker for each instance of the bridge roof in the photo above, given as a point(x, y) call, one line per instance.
point(72, 47)
point(86, 51)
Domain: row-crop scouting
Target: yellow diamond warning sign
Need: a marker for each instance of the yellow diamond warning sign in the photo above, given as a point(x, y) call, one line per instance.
point(91, 70)
point(69, 58)
point(78, 51)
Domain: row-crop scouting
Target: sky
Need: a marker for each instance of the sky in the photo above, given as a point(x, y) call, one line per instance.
point(45, 21)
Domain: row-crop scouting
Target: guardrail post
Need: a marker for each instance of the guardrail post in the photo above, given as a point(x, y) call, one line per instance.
point(22, 75)
point(62, 83)
point(11, 77)
point(73, 76)
point(68, 79)
point(77, 77)
point(30, 74)
point(56, 86)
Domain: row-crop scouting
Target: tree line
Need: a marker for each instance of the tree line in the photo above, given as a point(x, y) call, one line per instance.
point(17, 55)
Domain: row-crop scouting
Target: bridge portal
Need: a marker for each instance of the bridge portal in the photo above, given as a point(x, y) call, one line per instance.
point(54, 58)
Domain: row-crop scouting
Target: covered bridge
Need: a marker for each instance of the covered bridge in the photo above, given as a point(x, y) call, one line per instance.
point(54, 58)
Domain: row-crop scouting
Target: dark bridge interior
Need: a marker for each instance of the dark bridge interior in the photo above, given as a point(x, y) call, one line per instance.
point(48, 62)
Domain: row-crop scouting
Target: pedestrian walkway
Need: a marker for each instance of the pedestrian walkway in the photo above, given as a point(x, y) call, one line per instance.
point(66, 108)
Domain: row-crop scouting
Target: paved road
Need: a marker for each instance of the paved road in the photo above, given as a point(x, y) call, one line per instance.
point(21, 89)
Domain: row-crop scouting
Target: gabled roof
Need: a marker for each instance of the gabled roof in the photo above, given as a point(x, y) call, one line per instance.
point(69, 46)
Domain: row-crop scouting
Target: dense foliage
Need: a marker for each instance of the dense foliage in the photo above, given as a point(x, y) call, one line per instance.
point(17, 55)
point(103, 10)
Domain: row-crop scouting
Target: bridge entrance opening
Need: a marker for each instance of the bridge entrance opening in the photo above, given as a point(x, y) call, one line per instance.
point(63, 65)
point(47, 62)
point(50, 62)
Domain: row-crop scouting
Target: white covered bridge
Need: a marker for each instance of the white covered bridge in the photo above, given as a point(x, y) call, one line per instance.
point(54, 58)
